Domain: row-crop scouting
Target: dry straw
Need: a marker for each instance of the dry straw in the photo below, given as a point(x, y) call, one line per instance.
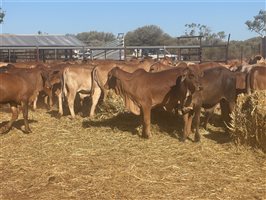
point(248, 126)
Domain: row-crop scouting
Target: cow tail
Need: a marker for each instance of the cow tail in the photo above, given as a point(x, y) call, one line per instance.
point(248, 82)
point(93, 79)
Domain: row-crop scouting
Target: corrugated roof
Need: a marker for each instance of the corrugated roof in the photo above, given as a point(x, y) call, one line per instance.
point(8, 40)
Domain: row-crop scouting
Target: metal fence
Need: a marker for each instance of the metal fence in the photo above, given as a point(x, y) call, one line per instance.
point(116, 50)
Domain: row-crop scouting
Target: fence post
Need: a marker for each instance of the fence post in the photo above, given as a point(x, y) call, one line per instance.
point(9, 56)
point(263, 47)
point(125, 53)
point(227, 49)
point(200, 51)
point(37, 54)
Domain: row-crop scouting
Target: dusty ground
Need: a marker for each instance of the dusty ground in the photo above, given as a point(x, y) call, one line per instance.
point(105, 158)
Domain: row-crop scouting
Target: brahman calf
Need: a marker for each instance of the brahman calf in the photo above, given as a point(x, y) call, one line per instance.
point(143, 91)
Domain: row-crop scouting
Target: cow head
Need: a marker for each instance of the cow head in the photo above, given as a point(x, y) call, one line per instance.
point(154, 67)
point(191, 78)
point(111, 82)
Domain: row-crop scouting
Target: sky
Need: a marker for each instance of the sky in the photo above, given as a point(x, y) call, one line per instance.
point(117, 16)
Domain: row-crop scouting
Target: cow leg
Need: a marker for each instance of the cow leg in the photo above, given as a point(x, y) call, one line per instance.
point(187, 118)
point(146, 113)
point(48, 92)
point(46, 100)
point(25, 116)
point(70, 101)
point(50, 97)
point(7, 127)
point(225, 110)
point(208, 113)
point(35, 103)
point(95, 98)
point(197, 122)
point(60, 103)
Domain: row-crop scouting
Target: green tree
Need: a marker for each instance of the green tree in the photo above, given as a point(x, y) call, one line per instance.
point(2, 15)
point(209, 37)
point(258, 24)
point(95, 38)
point(149, 35)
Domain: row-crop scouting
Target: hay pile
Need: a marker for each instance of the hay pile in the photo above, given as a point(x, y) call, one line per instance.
point(248, 126)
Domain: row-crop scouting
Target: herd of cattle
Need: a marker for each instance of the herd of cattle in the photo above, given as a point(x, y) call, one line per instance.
point(142, 83)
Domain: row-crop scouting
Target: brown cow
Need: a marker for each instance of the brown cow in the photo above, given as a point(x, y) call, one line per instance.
point(6, 68)
point(219, 86)
point(256, 59)
point(99, 77)
point(37, 68)
point(54, 81)
point(158, 66)
point(143, 91)
point(256, 79)
point(20, 88)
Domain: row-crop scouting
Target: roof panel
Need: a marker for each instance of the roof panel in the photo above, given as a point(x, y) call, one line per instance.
point(7, 40)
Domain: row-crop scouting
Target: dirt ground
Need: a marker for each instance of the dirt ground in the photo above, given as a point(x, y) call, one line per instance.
point(105, 158)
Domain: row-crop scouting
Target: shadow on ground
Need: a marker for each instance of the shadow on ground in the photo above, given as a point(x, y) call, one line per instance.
point(18, 124)
point(165, 121)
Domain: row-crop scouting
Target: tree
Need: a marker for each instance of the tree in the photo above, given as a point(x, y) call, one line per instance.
point(194, 29)
point(2, 15)
point(258, 24)
point(149, 35)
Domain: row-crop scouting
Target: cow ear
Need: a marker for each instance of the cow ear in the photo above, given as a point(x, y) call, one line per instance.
point(55, 72)
point(183, 77)
point(185, 71)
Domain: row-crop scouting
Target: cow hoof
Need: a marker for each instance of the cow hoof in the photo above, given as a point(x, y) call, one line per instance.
point(146, 136)
point(182, 139)
point(5, 129)
point(27, 131)
point(197, 139)
point(70, 117)
point(58, 116)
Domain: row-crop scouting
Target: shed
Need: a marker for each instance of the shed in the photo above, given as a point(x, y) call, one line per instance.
point(38, 47)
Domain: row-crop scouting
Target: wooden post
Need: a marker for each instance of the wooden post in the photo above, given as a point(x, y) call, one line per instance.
point(43, 55)
point(9, 57)
point(226, 49)
point(71, 54)
point(263, 47)
point(91, 56)
point(37, 54)
point(200, 51)
point(55, 54)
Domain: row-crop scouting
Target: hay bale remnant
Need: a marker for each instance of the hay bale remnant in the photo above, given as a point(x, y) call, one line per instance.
point(248, 126)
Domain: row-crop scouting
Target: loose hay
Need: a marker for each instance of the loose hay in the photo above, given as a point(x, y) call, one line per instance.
point(248, 126)
point(104, 158)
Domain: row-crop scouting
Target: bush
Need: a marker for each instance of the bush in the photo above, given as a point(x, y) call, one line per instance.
point(248, 126)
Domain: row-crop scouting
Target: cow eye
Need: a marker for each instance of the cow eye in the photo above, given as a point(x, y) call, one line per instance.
point(191, 76)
